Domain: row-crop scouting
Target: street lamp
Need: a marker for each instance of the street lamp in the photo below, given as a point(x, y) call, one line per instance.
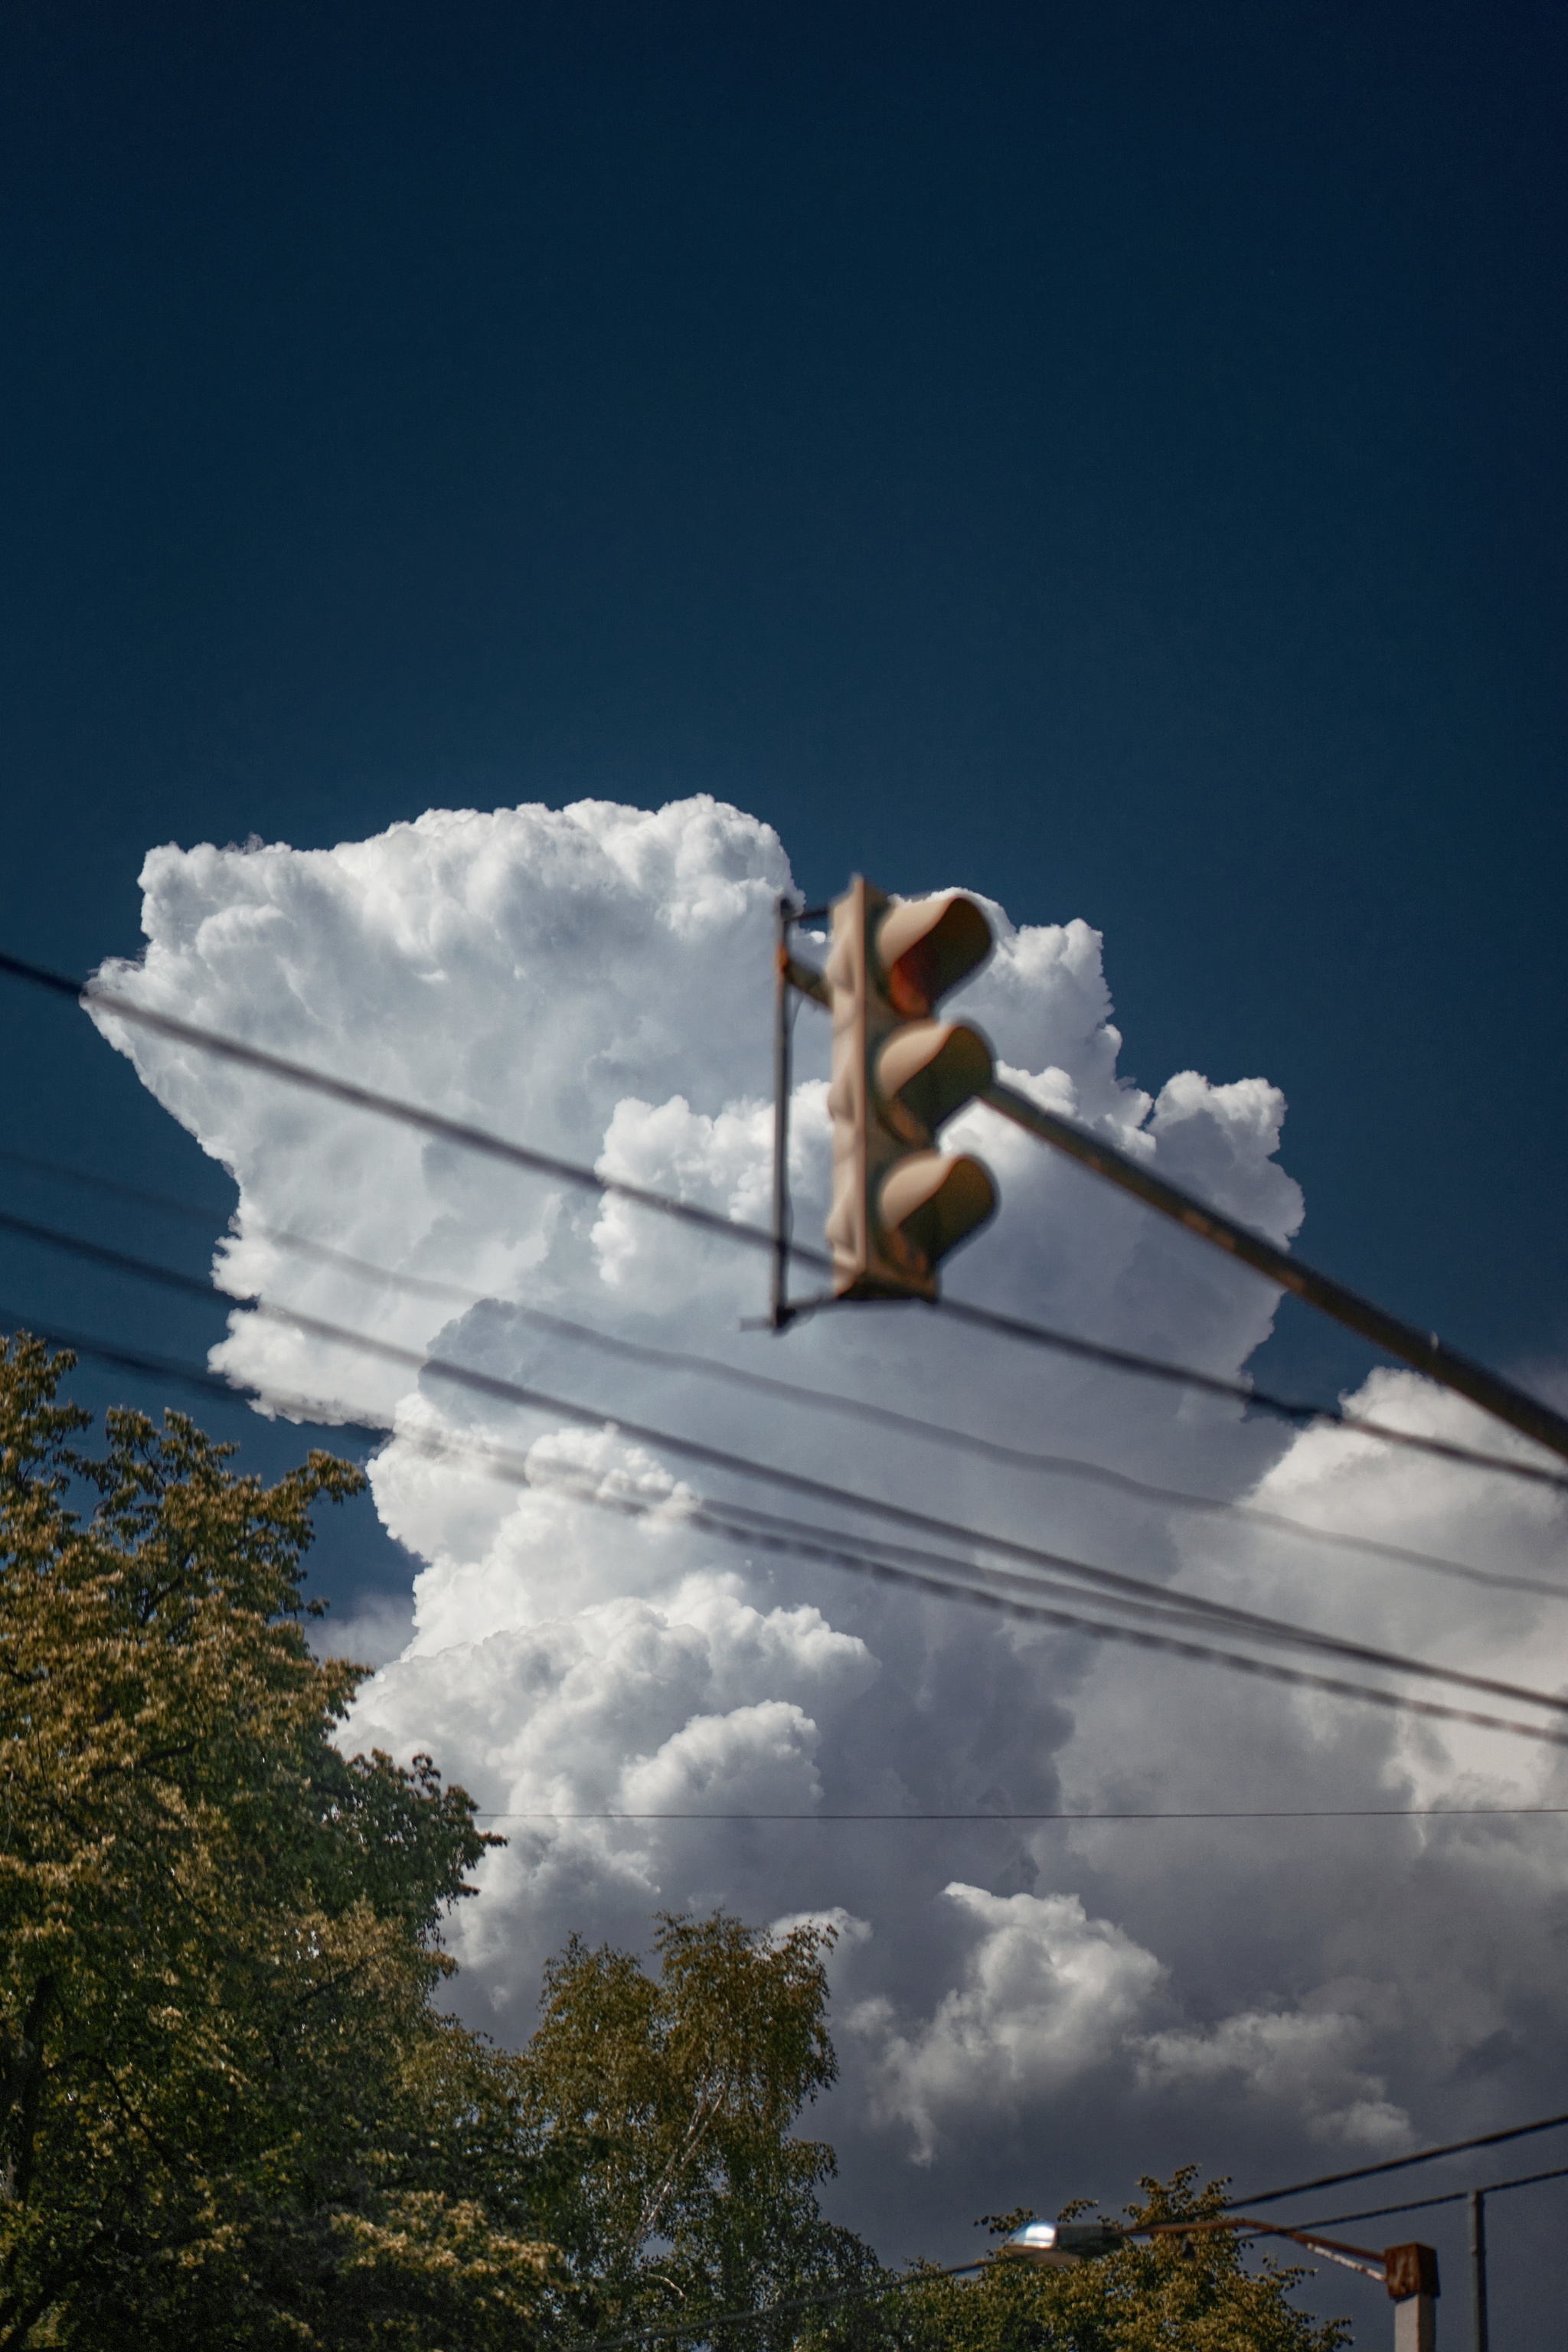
point(1058, 2245)
point(1409, 2273)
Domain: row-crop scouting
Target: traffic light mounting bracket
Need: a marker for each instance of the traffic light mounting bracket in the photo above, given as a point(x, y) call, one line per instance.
point(792, 978)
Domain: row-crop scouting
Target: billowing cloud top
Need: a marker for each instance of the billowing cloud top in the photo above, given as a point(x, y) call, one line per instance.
point(1026, 2010)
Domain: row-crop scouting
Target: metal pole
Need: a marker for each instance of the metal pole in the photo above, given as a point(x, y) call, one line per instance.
point(1422, 1349)
point(1411, 2273)
point(1478, 2264)
point(782, 1012)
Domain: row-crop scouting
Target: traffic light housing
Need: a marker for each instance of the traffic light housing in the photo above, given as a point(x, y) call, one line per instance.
point(899, 1204)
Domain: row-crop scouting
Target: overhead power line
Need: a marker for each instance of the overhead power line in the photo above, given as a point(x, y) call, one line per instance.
point(124, 1358)
point(755, 1530)
point(867, 2291)
point(467, 1136)
point(1130, 1592)
point(860, 2291)
point(1267, 1814)
point(1400, 2163)
point(464, 1133)
point(1449, 2196)
point(792, 1393)
point(872, 1559)
point(161, 1367)
point(1109, 1587)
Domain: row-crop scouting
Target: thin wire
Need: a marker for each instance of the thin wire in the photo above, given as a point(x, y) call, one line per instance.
point(65, 1171)
point(1400, 2163)
point(1139, 1636)
point(812, 1399)
point(1452, 2196)
point(757, 1536)
point(462, 1133)
point(1292, 1813)
point(865, 1562)
point(469, 1137)
point(859, 2293)
point(134, 1360)
point(826, 1544)
point(1130, 1591)
point(1265, 1669)
point(1133, 1593)
point(209, 1384)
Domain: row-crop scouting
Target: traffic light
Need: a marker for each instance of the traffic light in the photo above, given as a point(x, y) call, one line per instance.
point(899, 1204)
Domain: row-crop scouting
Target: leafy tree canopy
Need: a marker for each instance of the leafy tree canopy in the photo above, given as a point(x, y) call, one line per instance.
point(663, 2105)
point(228, 2110)
point(1153, 2294)
point(231, 2114)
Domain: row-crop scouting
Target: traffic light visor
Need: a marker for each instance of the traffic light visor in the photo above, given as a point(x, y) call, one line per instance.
point(930, 1201)
point(926, 946)
point(929, 1069)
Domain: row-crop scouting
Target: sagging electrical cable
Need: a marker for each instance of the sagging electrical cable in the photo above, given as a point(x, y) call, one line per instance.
point(789, 1391)
point(858, 1554)
point(1449, 2196)
point(659, 2330)
point(1020, 1604)
point(1138, 1590)
point(1133, 1593)
point(1026, 1821)
point(1249, 1622)
point(862, 2292)
point(469, 1137)
point(1403, 2163)
point(938, 1571)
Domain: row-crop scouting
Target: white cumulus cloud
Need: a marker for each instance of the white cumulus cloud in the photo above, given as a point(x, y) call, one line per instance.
point(1306, 2058)
point(1046, 1996)
point(1022, 2004)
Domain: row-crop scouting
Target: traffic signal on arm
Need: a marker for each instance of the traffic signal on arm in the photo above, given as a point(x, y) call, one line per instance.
point(899, 1204)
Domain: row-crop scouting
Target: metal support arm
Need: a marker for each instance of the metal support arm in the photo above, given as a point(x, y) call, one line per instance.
point(1421, 1349)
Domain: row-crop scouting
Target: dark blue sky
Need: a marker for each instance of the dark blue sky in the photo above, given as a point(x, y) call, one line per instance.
point(1112, 456)
point(1108, 454)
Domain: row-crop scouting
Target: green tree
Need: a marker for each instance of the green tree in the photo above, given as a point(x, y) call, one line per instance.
point(230, 2111)
point(1193, 2292)
point(663, 2107)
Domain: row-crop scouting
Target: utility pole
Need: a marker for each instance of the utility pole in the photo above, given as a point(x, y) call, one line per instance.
point(1411, 2273)
point(1478, 2265)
